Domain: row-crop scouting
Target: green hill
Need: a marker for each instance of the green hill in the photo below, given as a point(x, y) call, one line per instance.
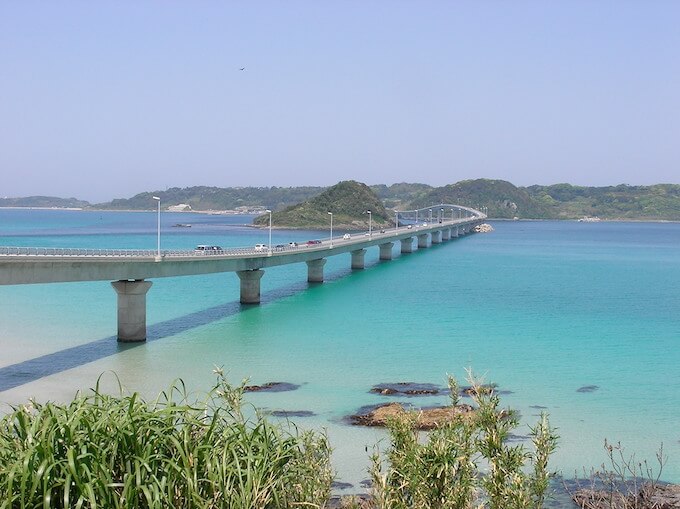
point(217, 198)
point(398, 195)
point(43, 202)
point(564, 201)
point(348, 201)
point(503, 199)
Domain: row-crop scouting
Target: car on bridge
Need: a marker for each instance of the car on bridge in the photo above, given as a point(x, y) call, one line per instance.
point(205, 249)
point(313, 242)
point(346, 236)
point(260, 247)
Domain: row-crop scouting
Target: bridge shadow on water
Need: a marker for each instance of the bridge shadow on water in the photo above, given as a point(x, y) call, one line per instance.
point(33, 369)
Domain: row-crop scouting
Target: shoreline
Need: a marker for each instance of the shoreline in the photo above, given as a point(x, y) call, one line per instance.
point(222, 213)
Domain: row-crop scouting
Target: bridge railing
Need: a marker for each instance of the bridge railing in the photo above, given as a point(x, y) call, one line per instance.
point(230, 251)
point(138, 253)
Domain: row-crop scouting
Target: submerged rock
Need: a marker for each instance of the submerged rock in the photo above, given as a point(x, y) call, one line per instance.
point(648, 497)
point(271, 387)
point(427, 389)
point(408, 389)
point(428, 418)
point(340, 485)
point(588, 388)
point(483, 389)
point(292, 413)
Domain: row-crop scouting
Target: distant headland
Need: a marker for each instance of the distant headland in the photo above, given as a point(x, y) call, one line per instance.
point(303, 206)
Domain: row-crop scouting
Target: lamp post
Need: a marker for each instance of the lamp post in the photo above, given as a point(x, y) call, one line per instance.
point(158, 244)
point(430, 216)
point(270, 230)
point(331, 214)
point(370, 223)
point(441, 215)
point(416, 218)
point(396, 220)
point(451, 215)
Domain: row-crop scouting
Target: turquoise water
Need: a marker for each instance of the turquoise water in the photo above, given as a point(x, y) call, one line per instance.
point(541, 308)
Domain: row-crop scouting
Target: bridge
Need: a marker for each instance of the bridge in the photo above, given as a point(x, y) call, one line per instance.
point(129, 269)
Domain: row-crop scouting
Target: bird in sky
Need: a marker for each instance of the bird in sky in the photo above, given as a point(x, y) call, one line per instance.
point(241, 68)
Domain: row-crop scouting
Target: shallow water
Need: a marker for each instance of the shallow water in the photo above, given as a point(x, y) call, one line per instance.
point(541, 308)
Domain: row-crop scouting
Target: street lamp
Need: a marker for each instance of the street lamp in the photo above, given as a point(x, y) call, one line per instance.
point(331, 214)
point(451, 215)
point(430, 216)
point(158, 246)
point(396, 220)
point(370, 223)
point(270, 230)
point(441, 215)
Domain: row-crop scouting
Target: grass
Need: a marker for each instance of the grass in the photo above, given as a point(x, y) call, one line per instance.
point(124, 452)
point(120, 451)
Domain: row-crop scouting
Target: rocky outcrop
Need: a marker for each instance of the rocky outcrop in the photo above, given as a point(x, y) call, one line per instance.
point(483, 228)
point(428, 418)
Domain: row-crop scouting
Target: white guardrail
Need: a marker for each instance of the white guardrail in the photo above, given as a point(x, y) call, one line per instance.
point(138, 253)
point(144, 253)
point(233, 251)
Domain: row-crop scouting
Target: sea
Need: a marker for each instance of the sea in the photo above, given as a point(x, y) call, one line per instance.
point(578, 320)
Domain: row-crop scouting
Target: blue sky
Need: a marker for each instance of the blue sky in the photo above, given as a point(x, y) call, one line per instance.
point(106, 99)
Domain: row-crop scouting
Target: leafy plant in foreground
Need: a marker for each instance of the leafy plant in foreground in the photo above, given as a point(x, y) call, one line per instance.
point(124, 452)
point(445, 470)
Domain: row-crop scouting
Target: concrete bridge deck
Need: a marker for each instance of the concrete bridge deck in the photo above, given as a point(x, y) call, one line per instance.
point(128, 269)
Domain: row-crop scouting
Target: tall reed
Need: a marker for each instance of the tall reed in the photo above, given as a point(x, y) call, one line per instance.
point(466, 462)
point(103, 451)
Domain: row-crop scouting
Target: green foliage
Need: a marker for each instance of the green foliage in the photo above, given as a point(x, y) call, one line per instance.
point(43, 201)
point(503, 199)
point(348, 201)
point(443, 471)
point(217, 198)
point(123, 452)
point(564, 201)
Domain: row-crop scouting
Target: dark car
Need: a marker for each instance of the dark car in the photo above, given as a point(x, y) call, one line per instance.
point(312, 242)
point(279, 247)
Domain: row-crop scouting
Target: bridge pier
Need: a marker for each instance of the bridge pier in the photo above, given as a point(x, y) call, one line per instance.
point(131, 309)
point(454, 232)
point(422, 241)
point(446, 233)
point(250, 285)
point(386, 251)
point(437, 237)
point(315, 270)
point(407, 245)
point(358, 259)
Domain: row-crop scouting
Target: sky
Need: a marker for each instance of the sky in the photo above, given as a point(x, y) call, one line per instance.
point(106, 99)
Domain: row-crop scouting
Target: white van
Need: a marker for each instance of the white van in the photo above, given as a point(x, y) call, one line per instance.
point(260, 247)
point(203, 249)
